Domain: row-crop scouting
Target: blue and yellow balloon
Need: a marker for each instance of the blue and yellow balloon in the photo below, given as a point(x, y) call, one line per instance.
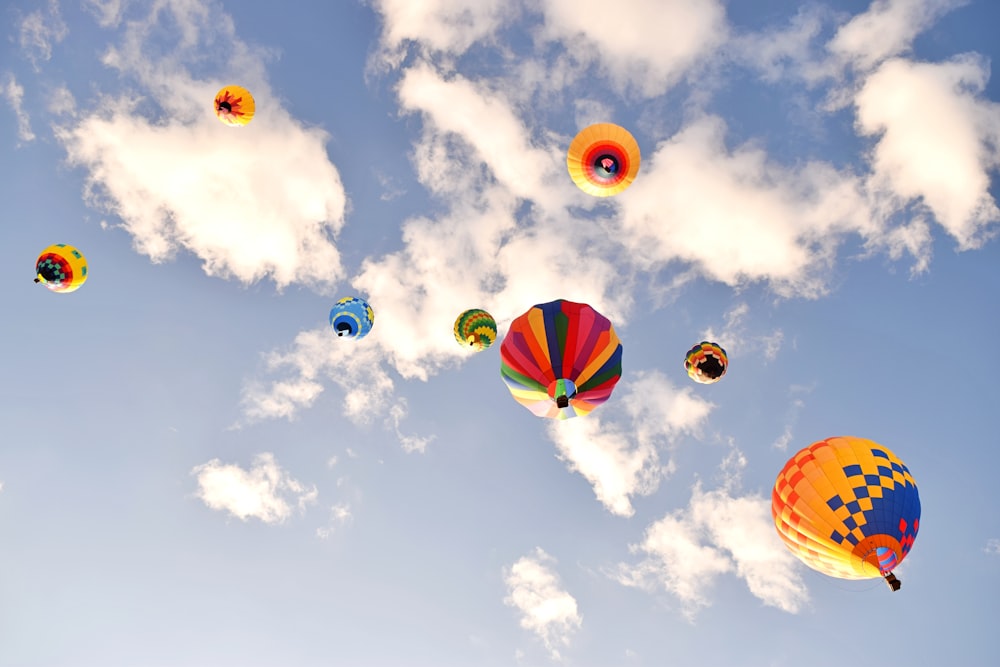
point(352, 317)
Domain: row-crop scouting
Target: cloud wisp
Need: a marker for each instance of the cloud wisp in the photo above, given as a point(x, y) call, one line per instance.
point(14, 92)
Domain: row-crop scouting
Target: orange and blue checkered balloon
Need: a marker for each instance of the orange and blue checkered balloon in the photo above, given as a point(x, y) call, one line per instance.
point(561, 359)
point(706, 362)
point(847, 507)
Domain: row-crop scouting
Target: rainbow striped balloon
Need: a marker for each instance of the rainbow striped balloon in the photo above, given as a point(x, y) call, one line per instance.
point(561, 359)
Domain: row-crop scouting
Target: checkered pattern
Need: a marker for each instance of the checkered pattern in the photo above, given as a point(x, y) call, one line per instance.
point(847, 507)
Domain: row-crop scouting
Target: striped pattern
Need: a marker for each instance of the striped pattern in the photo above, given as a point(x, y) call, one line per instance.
point(603, 159)
point(847, 507)
point(561, 352)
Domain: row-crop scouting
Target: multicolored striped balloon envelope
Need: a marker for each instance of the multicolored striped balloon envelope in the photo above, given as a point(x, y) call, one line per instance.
point(847, 507)
point(561, 359)
point(352, 317)
point(603, 159)
point(234, 105)
point(61, 268)
point(475, 329)
point(706, 362)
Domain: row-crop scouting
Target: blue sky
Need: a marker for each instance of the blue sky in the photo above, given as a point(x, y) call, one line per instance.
point(195, 471)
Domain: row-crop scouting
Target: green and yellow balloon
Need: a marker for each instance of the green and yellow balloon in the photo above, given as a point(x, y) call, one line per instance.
point(475, 329)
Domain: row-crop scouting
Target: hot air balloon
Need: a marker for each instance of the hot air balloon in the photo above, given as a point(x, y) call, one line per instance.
point(847, 507)
point(603, 159)
point(61, 268)
point(475, 329)
point(706, 362)
point(561, 359)
point(352, 317)
point(234, 105)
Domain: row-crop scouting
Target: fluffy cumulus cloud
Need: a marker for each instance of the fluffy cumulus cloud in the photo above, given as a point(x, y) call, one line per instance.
point(643, 46)
point(621, 457)
point(886, 29)
point(258, 201)
point(992, 545)
point(318, 354)
point(546, 608)
point(737, 216)
point(450, 26)
point(718, 533)
point(14, 92)
point(937, 141)
point(264, 491)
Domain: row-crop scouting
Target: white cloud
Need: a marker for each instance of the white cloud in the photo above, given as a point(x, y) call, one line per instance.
point(718, 533)
point(886, 29)
point(462, 108)
point(736, 216)
point(992, 546)
point(39, 30)
point(778, 53)
point(252, 202)
point(61, 102)
point(107, 12)
point(621, 459)
point(410, 443)
point(450, 26)
point(546, 609)
point(265, 491)
point(340, 515)
point(737, 342)
point(937, 142)
point(796, 391)
point(604, 454)
point(354, 365)
point(14, 92)
point(643, 45)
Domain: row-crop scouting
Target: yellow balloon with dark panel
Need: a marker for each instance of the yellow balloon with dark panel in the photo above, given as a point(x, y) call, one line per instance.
point(61, 268)
point(234, 105)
